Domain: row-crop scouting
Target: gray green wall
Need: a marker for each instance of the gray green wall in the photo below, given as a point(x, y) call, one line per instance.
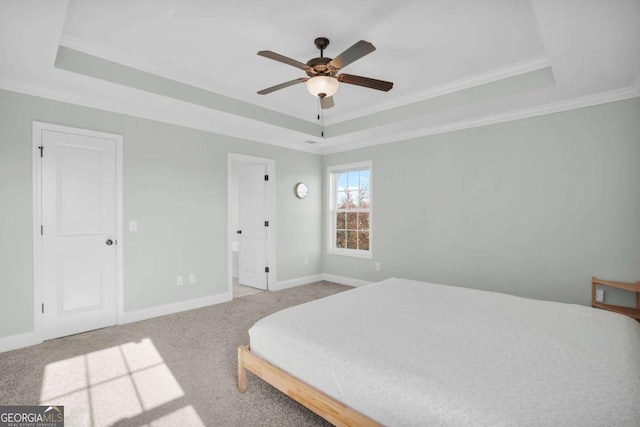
point(532, 207)
point(175, 186)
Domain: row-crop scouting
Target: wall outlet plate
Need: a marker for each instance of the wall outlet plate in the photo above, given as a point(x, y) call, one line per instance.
point(599, 295)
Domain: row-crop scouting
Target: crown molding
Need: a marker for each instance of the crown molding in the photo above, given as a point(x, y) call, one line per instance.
point(524, 113)
point(494, 75)
point(254, 131)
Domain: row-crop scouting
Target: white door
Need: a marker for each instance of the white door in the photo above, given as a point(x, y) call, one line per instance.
point(251, 220)
point(78, 236)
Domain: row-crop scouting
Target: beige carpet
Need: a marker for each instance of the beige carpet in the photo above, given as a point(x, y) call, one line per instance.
point(176, 370)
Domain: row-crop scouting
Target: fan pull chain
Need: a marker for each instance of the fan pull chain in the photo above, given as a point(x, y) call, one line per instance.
point(321, 116)
point(320, 111)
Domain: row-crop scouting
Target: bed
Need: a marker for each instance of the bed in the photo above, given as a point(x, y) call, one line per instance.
point(407, 353)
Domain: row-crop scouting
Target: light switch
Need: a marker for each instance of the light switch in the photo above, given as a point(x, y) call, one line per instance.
point(133, 225)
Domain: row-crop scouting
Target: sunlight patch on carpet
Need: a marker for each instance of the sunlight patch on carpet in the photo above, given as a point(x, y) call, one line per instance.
point(114, 384)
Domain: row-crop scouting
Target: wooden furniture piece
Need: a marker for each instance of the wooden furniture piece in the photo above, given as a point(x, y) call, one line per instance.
point(627, 311)
point(328, 408)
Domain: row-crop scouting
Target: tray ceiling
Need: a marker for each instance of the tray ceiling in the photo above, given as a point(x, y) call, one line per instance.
point(455, 64)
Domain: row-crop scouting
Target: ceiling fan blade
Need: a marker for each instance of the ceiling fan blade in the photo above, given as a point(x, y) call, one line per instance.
point(365, 82)
point(282, 86)
point(283, 59)
point(327, 102)
point(352, 54)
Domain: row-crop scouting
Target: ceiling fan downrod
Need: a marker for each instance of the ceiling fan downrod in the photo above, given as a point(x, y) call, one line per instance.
point(321, 43)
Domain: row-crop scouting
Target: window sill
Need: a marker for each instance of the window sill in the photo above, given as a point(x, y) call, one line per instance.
point(351, 252)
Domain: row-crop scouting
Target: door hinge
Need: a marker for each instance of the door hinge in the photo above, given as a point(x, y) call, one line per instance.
point(41, 148)
point(266, 269)
point(266, 223)
point(42, 230)
point(266, 177)
point(42, 308)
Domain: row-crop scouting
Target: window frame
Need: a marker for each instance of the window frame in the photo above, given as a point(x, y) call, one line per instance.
point(332, 172)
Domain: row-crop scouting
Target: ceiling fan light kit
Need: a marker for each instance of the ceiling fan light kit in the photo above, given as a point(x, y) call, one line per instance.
point(322, 86)
point(323, 79)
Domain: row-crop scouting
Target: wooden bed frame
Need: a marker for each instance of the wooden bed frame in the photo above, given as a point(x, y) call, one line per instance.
point(327, 407)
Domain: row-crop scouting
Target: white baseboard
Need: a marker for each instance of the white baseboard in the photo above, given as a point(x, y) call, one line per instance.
point(13, 342)
point(161, 310)
point(348, 281)
point(286, 284)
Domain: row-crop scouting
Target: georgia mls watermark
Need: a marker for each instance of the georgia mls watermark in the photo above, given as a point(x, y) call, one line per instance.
point(32, 416)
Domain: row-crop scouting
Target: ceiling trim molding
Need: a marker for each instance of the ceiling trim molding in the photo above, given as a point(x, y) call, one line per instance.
point(254, 132)
point(496, 74)
point(103, 52)
point(524, 113)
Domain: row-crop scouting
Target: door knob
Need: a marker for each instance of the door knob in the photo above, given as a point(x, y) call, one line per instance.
point(239, 232)
point(109, 242)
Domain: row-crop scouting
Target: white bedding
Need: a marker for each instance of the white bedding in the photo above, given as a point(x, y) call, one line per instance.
point(409, 353)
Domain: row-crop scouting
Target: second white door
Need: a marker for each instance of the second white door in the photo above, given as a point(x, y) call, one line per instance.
point(251, 220)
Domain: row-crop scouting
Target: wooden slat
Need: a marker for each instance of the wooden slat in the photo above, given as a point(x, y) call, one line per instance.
point(328, 408)
point(627, 311)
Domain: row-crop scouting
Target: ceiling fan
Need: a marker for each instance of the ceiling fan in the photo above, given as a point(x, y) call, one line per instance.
point(323, 78)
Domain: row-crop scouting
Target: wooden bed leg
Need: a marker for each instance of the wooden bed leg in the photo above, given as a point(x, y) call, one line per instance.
point(242, 372)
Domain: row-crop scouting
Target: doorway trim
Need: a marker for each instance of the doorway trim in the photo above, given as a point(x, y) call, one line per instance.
point(36, 166)
point(270, 212)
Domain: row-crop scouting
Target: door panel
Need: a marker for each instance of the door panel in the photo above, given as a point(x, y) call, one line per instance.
point(251, 213)
point(81, 282)
point(78, 217)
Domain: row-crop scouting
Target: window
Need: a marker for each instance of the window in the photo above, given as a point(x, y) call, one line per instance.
point(350, 209)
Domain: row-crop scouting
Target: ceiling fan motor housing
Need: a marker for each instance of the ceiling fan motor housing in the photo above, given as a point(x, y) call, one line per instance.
point(320, 67)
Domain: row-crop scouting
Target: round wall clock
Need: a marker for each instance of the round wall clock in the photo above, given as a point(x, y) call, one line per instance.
point(301, 190)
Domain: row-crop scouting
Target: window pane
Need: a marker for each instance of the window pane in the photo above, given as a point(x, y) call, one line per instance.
point(341, 239)
point(363, 221)
point(352, 240)
point(353, 199)
point(352, 221)
point(363, 199)
point(364, 179)
point(353, 180)
point(342, 200)
point(341, 180)
point(363, 240)
point(341, 220)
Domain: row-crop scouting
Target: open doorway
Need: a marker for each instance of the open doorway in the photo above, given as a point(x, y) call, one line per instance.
point(251, 224)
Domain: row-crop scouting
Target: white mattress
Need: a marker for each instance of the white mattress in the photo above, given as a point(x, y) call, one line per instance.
point(409, 353)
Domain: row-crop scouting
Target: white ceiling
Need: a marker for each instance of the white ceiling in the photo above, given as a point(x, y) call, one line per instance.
point(428, 48)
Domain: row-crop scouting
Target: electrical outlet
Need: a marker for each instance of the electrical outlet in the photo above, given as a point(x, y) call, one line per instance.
point(180, 280)
point(192, 278)
point(133, 225)
point(306, 261)
point(599, 295)
point(378, 266)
